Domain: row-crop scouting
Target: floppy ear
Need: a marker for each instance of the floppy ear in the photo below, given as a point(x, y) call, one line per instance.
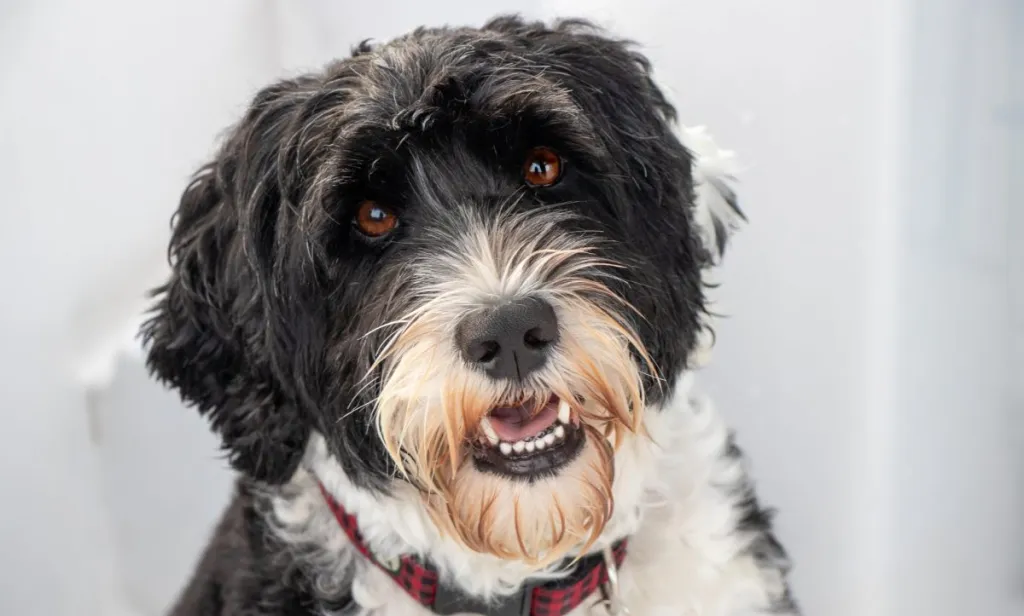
point(716, 209)
point(207, 334)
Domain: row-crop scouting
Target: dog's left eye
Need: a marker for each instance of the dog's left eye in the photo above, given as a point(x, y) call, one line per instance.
point(542, 167)
point(374, 220)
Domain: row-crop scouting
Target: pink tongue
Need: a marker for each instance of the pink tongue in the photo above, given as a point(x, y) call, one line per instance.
point(513, 423)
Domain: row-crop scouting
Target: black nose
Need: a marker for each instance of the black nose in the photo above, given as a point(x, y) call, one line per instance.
point(511, 340)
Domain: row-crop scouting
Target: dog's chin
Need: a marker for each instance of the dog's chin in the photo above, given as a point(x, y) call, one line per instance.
point(534, 483)
point(535, 506)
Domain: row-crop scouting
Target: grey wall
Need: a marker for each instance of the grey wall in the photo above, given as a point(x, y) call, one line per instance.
point(1010, 117)
point(164, 484)
point(107, 107)
point(956, 479)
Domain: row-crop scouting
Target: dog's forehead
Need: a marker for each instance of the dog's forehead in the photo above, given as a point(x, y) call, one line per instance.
point(405, 82)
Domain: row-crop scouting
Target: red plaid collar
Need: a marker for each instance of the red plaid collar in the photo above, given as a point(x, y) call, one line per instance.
point(421, 581)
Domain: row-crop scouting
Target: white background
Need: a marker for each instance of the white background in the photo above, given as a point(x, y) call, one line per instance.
point(871, 363)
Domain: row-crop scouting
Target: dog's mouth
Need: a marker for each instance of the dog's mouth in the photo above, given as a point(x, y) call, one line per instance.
point(529, 440)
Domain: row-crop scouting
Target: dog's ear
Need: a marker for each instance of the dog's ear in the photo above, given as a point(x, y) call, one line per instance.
point(208, 334)
point(716, 208)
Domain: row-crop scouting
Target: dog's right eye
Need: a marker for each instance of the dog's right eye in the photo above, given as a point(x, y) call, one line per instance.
point(374, 220)
point(542, 167)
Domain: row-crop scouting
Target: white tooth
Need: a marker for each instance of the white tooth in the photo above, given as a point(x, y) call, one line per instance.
point(563, 411)
point(559, 432)
point(488, 430)
point(506, 448)
point(518, 446)
point(550, 439)
point(540, 444)
point(530, 446)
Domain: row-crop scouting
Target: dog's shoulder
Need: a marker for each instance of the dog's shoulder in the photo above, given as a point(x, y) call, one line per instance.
point(245, 570)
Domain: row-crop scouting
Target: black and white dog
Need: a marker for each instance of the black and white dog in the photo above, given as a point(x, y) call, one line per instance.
point(441, 301)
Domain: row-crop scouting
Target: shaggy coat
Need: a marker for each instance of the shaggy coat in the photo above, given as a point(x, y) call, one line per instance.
point(326, 263)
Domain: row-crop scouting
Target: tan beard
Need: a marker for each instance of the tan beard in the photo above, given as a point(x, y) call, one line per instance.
point(538, 521)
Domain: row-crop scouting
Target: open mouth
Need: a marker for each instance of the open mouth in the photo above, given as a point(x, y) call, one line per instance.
point(529, 440)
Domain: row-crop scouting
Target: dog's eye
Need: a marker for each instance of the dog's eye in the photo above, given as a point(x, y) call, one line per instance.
point(374, 220)
point(543, 167)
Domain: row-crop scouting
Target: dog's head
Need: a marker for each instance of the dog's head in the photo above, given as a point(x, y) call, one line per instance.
point(470, 259)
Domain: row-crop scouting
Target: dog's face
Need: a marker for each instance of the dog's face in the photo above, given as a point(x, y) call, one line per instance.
point(467, 258)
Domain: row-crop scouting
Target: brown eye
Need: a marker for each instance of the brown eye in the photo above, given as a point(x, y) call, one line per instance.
point(542, 167)
point(375, 220)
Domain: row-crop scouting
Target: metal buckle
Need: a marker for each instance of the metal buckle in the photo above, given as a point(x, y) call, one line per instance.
point(449, 600)
point(612, 601)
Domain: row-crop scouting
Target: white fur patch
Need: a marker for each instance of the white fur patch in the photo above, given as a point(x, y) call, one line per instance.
point(673, 498)
point(716, 214)
point(714, 177)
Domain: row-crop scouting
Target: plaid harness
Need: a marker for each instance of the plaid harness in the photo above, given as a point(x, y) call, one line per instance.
point(422, 582)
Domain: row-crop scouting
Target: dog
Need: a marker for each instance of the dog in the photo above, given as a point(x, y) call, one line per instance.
point(443, 302)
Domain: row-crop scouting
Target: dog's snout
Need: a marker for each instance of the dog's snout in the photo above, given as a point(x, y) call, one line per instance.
point(511, 340)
